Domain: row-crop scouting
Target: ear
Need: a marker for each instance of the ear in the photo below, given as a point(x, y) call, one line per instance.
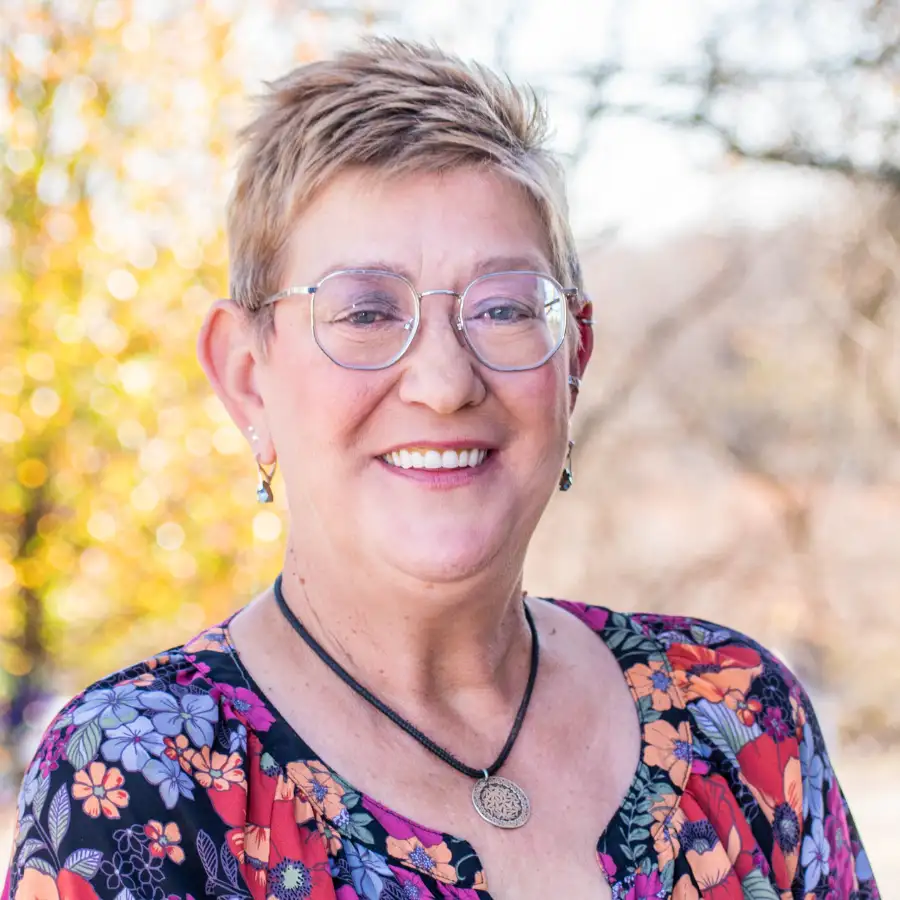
point(585, 347)
point(229, 354)
point(585, 320)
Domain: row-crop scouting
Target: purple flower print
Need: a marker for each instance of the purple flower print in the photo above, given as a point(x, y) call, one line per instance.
point(774, 724)
point(195, 713)
point(110, 706)
point(133, 744)
point(814, 856)
point(171, 779)
point(411, 886)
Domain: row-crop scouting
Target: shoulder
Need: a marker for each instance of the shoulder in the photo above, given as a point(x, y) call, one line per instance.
point(124, 772)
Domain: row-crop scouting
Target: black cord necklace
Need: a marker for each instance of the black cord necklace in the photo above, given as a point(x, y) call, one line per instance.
point(497, 800)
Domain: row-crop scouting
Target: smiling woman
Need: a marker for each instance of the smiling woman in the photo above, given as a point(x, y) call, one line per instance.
point(405, 340)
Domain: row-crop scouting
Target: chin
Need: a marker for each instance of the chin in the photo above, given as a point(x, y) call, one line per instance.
point(441, 557)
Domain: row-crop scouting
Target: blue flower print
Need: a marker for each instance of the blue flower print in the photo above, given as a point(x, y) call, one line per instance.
point(195, 713)
point(366, 870)
point(111, 706)
point(813, 772)
point(133, 744)
point(171, 779)
point(814, 856)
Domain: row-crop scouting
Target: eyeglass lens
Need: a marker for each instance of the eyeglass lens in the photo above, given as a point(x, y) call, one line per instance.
point(511, 320)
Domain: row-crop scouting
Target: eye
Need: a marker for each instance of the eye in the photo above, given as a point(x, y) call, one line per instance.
point(502, 309)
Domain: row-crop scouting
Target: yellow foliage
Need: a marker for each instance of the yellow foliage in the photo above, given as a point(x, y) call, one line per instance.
point(128, 518)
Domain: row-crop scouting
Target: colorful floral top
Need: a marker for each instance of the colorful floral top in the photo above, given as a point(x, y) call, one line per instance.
point(176, 778)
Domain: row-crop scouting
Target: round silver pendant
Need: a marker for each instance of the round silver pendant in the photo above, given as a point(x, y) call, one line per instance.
point(501, 802)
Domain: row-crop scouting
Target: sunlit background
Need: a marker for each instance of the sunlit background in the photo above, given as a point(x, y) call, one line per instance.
point(735, 185)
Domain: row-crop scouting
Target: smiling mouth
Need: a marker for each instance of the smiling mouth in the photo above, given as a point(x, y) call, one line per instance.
point(417, 458)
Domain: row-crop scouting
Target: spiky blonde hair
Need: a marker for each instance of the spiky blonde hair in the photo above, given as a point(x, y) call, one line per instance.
point(397, 107)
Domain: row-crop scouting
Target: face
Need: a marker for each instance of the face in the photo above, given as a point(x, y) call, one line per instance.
point(332, 428)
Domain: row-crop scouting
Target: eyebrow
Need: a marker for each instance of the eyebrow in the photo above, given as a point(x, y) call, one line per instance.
point(486, 266)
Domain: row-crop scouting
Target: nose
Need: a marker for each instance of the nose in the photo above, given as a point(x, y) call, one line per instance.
point(438, 370)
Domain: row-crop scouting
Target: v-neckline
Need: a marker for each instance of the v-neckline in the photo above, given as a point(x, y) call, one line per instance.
point(630, 646)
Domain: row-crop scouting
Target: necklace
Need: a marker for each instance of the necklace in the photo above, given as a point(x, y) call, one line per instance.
point(497, 800)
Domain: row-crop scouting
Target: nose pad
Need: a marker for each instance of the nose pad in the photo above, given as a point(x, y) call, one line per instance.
point(455, 318)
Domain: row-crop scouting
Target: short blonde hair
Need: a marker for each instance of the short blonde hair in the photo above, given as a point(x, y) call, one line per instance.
point(397, 107)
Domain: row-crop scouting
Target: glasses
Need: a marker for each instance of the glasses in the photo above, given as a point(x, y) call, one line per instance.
point(367, 319)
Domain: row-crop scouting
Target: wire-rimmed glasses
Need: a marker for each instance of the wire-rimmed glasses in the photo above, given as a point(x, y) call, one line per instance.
point(368, 318)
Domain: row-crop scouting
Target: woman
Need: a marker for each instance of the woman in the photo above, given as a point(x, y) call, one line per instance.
point(405, 340)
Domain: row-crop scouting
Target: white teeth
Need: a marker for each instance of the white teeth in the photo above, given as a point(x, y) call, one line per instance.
point(435, 459)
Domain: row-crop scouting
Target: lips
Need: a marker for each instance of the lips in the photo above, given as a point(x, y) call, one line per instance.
point(436, 458)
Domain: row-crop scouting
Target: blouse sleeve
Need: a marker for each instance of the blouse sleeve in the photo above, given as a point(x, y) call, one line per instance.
point(833, 861)
point(107, 809)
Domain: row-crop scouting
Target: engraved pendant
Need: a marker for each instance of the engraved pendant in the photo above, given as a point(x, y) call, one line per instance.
point(501, 802)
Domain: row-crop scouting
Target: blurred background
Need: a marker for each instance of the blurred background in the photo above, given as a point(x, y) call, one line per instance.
point(734, 173)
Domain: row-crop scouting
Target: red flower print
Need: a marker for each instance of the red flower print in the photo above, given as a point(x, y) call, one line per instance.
point(771, 770)
point(164, 840)
point(747, 709)
point(712, 798)
point(179, 748)
point(35, 885)
point(704, 851)
point(100, 789)
point(704, 673)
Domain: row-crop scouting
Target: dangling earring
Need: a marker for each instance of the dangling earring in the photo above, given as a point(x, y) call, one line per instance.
point(264, 488)
point(566, 479)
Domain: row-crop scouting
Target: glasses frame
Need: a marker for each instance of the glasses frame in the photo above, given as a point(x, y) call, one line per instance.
point(567, 295)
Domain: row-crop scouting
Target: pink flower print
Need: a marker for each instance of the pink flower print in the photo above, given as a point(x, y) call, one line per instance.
point(242, 704)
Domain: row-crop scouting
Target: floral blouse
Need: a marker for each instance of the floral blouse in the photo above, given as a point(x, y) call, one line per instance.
point(175, 779)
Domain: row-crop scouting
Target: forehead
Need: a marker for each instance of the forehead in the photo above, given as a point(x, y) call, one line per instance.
point(451, 226)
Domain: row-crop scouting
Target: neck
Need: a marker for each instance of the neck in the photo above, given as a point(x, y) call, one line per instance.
point(420, 643)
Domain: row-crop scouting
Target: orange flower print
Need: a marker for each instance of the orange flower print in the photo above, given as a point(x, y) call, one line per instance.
point(251, 846)
point(654, 680)
point(101, 790)
point(668, 820)
point(703, 673)
point(164, 841)
point(708, 859)
point(433, 861)
point(747, 709)
point(216, 769)
point(315, 782)
point(771, 770)
point(179, 748)
point(669, 749)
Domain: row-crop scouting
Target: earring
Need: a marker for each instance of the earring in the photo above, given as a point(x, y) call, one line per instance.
point(566, 479)
point(575, 384)
point(264, 488)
